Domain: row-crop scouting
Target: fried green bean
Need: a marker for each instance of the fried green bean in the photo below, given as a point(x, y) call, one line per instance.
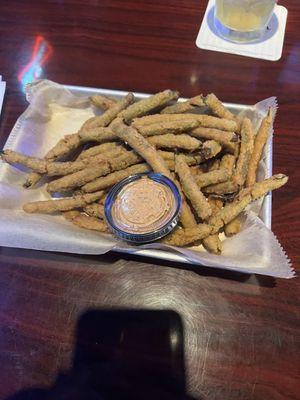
point(168, 127)
point(210, 148)
point(204, 120)
point(191, 190)
point(183, 237)
point(226, 139)
point(64, 146)
point(138, 143)
point(211, 177)
point(187, 218)
point(99, 149)
point(259, 144)
point(92, 129)
point(184, 106)
point(115, 177)
point(259, 189)
point(85, 221)
point(144, 106)
point(69, 167)
point(80, 178)
point(94, 210)
point(50, 206)
point(212, 243)
point(213, 165)
point(32, 179)
point(228, 162)
point(222, 188)
point(246, 149)
point(233, 227)
point(102, 102)
point(110, 114)
point(217, 107)
point(131, 136)
point(58, 168)
point(34, 163)
point(171, 141)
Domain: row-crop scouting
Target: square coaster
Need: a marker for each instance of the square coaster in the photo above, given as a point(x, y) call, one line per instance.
point(269, 47)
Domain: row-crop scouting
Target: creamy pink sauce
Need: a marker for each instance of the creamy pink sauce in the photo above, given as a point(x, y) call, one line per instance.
point(143, 206)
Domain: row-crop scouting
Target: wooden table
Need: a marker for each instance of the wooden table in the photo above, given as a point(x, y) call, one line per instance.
point(241, 332)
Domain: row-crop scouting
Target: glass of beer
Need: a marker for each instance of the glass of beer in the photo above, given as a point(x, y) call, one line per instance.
point(243, 20)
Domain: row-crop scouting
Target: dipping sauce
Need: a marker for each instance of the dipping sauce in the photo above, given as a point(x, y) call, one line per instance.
point(144, 206)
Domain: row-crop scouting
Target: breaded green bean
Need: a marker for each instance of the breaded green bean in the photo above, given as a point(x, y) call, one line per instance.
point(57, 168)
point(71, 142)
point(260, 189)
point(190, 159)
point(229, 212)
point(211, 178)
point(34, 163)
point(69, 167)
point(171, 141)
point(98, 134)
point(32, 179)
point(102, 102)
point(191, 190)
point(110, 114)
point(99, 149)
point(184, 106)
point(144, 106)
point(246, 149)
point(226, 187)
point(135, 140)
point(89, 174)
point(65, 146)
point(85, 221)
point(182, 237)
point(188, 236)
point(212, 243)
point(213, 165)
point(226, 139)
point(94, 210)
point(187, 218)
point(210, 148)
point(50, 206)
point(217, 107)
point(115, 177)
point(259, 144)
point(204, 120)
point(228, 162)
point(92, 129)
point(168, 127)
point(233, 227)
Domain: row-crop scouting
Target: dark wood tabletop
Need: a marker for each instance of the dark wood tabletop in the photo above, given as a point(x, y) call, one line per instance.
point(63, 317)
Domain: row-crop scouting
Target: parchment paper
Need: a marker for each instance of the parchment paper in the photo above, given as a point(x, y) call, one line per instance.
point(54, 112)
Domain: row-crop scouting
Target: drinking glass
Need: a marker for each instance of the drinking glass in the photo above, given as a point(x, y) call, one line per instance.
point(243, 20)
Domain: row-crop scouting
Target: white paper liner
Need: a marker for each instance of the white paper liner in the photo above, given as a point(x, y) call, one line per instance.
point(53, 112)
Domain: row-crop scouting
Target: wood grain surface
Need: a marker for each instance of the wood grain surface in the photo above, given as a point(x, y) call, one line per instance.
point(239, 333)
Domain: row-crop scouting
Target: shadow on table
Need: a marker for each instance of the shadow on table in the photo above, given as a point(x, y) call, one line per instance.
point(112, 257)
point(122, 354)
